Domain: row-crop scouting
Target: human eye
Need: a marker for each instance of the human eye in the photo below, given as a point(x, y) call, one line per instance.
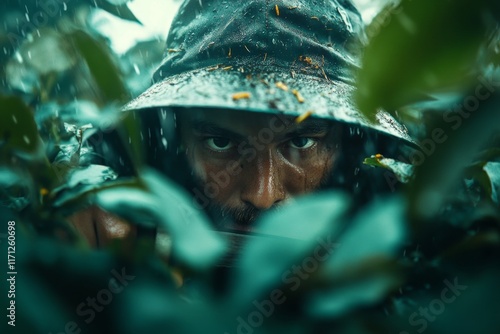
point(219, 144)
point(302, 143)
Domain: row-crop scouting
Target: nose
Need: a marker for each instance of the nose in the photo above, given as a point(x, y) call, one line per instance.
point(262, 185)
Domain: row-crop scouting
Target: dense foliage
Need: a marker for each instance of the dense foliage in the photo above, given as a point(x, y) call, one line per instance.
point(422, 259)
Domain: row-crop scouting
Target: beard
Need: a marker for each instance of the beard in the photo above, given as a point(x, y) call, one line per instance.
point(236, 219)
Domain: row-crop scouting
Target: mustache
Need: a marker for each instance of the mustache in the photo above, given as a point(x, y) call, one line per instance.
point(245, 215)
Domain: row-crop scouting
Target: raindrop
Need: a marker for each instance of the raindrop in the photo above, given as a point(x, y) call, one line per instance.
point(345, 18)
point(19, 58)
point(14, 119)
point(26, 139)
point(5, 50)
point(65, 7)
point(356, 171)
point(163, 113)
point(29, 54)
point(121, 161)
point(129, 140)
point(274, 41)
point(142, 136)
point(27, 17)
point(136, 69)
point(164, 142)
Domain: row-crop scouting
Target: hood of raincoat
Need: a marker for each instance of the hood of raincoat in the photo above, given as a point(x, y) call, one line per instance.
point(289, 56)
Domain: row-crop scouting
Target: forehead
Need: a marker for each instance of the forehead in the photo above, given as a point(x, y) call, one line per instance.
point(245, 122)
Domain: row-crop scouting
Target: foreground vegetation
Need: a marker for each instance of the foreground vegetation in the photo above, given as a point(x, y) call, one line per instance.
point(423, 259)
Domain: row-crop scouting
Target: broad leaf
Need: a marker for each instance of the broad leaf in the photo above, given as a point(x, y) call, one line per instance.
point(287, 237)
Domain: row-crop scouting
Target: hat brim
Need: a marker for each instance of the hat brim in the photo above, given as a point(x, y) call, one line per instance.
point(266, 89)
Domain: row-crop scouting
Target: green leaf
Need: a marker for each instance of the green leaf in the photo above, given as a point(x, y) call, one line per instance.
point(426, 46)
point(15, 189)
point(492, 154)
point(445, 166)
point(67, 200)
point(78, 182)
point(120, 10)
point(360, 272)
point(286, 237)
point(492, 170)
point(55, 280)
point(129, 131)
point(194, 244)
point(401, 170)
point(104, 71)
point(18, 130)
point(376, 232)
point(93, 174)
point(194, 241)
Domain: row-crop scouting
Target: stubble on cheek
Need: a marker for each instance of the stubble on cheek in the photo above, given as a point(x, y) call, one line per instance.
point(320, 173)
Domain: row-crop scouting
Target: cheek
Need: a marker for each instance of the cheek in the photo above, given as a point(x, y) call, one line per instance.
point(320, 170)
point(217, 178)
point(196, 162)
point(307, 174)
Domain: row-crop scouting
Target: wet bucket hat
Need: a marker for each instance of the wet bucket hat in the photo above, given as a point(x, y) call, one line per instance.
point(292, 57)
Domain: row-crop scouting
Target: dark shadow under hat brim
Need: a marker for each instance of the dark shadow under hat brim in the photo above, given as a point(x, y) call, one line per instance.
point(266, 89)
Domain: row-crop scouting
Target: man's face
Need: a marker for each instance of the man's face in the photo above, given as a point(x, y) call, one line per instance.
point(245, 163)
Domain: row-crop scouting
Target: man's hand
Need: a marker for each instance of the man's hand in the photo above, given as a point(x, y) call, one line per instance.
point(100, 228)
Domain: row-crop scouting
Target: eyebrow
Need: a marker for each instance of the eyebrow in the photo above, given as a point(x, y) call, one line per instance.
point(309, 127)
point(215, 130)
